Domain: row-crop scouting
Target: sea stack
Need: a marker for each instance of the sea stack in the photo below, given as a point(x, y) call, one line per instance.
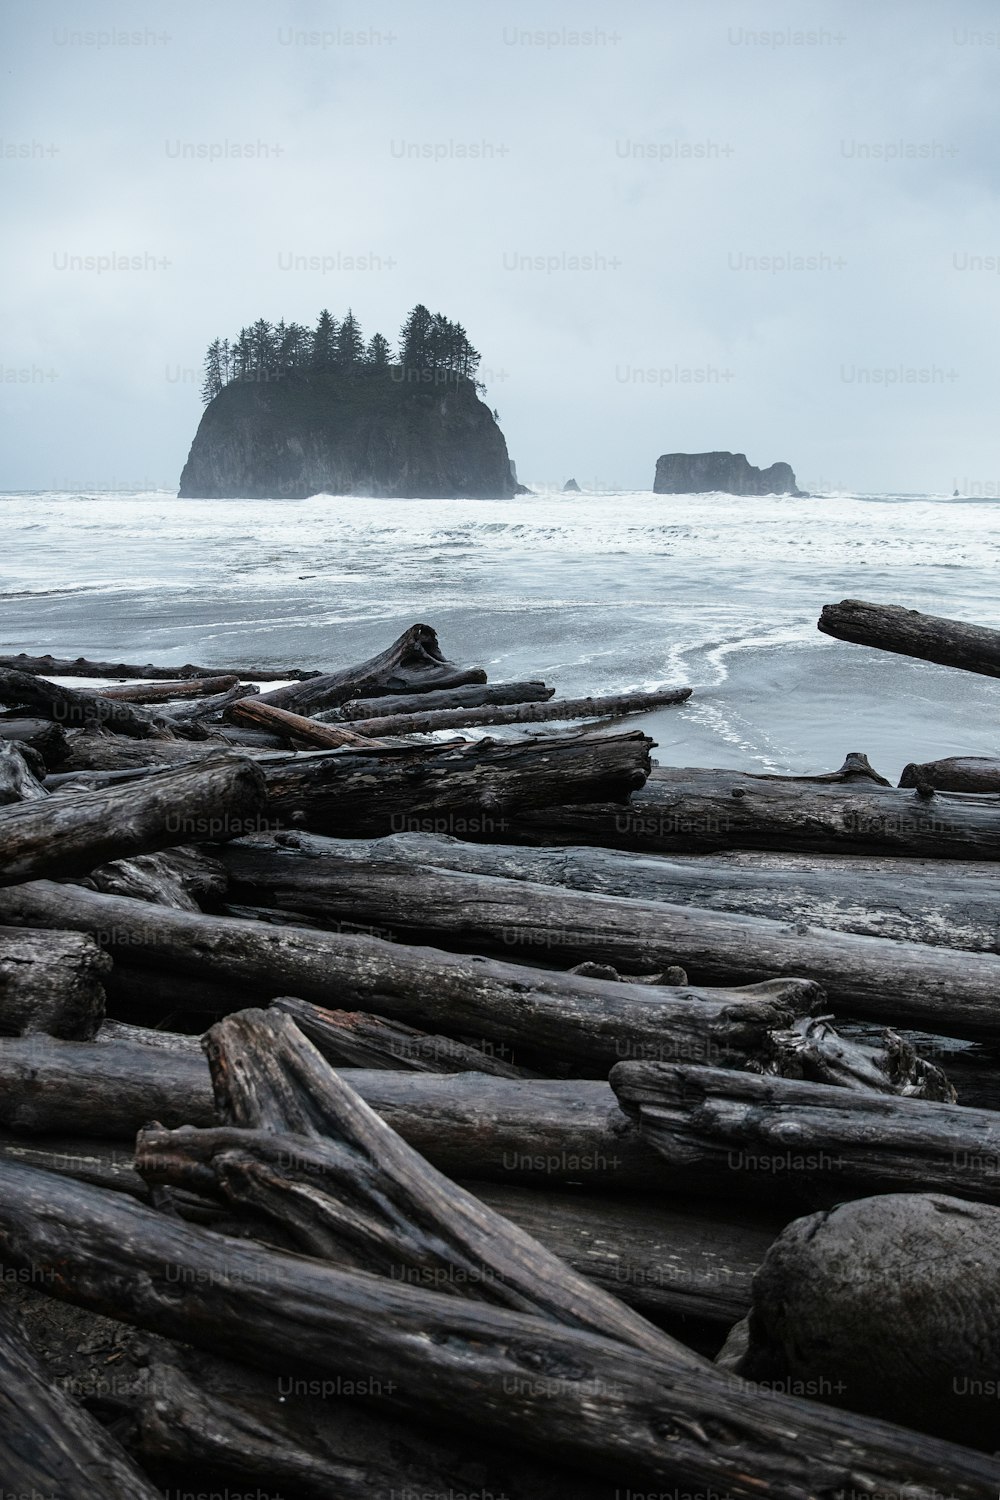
point(728, 473)
point(370, 431)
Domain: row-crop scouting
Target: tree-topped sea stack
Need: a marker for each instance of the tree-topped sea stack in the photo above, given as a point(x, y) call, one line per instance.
point(294, 412)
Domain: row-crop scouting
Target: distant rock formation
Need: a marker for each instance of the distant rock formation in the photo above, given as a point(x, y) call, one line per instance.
point(367, 432)
point(730, 473)
point(571, 484)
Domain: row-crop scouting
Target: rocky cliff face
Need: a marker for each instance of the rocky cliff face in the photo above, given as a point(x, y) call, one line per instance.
point(698, 473)
point(369, 433)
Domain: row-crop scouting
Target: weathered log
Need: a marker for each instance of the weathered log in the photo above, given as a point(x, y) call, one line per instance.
point(51, 982)
point(64, 836)
point(470, 789)
point(614, 707)
point(49, 1446)
point(182, 878)
point(163, 692)
point(907, 632)
point(259, 714)
point(473, 695)
point(469, 1125)
point(56, 666)
point(579, 1398)
point(887, 1306)
point(76, 706)
point(947, 903)
point(356, 1039)
point(811, 1049)
point(957, 773)
point(935, 988)
point(374, 1204)
point(18, 782)
point(109, 755)
point(413, 662)
point(585, 1023)
point(691, 810)
point(107, 1164)
point(808, 1142)
point(193, 710)
point(48, 739)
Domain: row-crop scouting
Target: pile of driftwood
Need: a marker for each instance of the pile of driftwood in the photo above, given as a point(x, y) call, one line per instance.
point(397, 1115)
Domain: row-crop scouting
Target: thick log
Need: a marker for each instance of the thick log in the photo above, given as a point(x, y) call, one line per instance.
point(18, 782)
point(49, 1446)
point(693, 810)
point(614, 707)
point(51, 982)
point(933, 988)
point(907, 632)
point(539, 1131)
point(720, 1130)
point(374, 1204)
point(76, 706)
point(48, 739)
point(470, 789)
point(887, 1306)
point(64, 836)
point(163, 692)
point(356, 1039)
point(946, 903)
point(56, 666)
point(412, 663)
point(957, 773)
point(473, 695)
point(258, 714)
point(584, 1023)
point(577, 1397)
point(110, 756)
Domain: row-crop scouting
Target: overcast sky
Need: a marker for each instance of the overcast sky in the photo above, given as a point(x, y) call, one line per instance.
point(608, 197)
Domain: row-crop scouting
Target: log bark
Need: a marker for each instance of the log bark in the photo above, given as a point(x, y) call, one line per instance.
point(957, 773)
point(356, 1039)
point(374, 1204)
point(722, 1131)
point(258, 714)
point(584, 1023)
point(65, 836)
point(163, 692)
point(473, 695)
point(471, 789)
point(537, 1131)
point(76, 706)
point(412, 663)
point(907, 632)
point(48, 739)
point(945, 903)
point(692, 810)
point(933, 988)
point(79, 666)
point(579, 1398)
point(49, 1446)
point(51, 982)
point(18, 782)
point(613, 707)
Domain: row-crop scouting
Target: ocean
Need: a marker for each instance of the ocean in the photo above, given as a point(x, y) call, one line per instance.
point(595, 593)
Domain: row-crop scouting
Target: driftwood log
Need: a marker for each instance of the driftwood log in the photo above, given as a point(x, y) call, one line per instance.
point(935, 988)
point(181, 877)
point(18, 781)
point(947, 903)
point(257, 714)
point(579, 1022)
point(693, 810)
point(77, 706)
point(541, 1131)
point(51, 982)
point(37, 734)
point(412, 663)
point(577, 1397)
point(473, 695)
point(49, 1446)
point(612, 707)
point(957, 773)
point(64, 835)
point(720, 1130)
point(163, 692)
point(907, 632)
point(56, 666)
